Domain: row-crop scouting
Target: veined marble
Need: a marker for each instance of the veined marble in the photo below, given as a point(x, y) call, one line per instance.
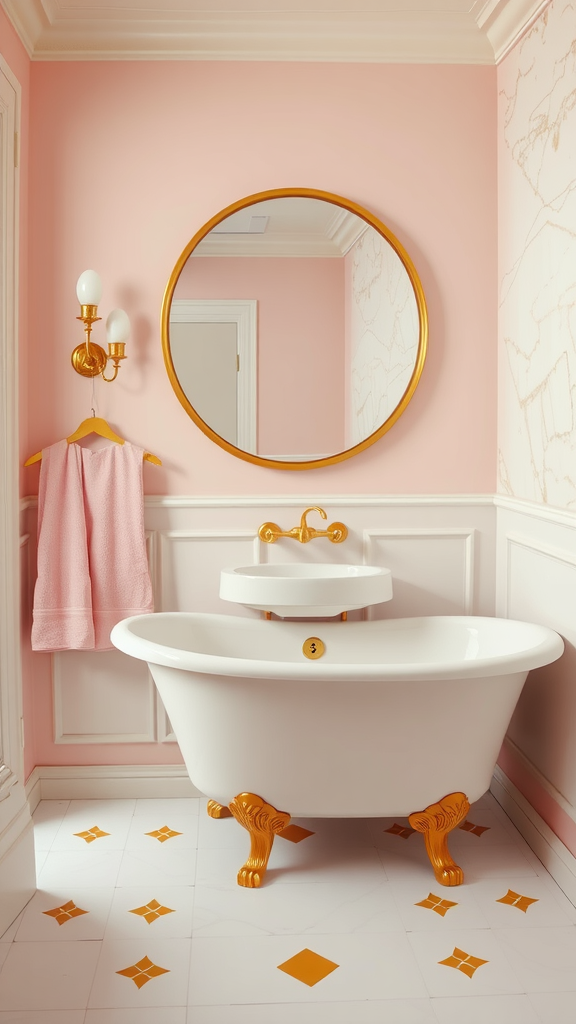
point(537, 201)
point(383, 334)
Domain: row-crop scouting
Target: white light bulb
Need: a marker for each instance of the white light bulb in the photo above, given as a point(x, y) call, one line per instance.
point(117, 326)
point(89, 288)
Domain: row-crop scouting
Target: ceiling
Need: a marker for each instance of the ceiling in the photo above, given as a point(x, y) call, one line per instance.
point(399, 31)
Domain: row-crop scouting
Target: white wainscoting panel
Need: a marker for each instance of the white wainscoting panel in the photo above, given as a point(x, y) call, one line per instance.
point(190, 564)
point(432, 570)
point(102, 697)
point(536, 581)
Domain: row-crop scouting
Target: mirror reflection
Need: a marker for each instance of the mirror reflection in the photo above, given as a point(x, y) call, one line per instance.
point(294, 329)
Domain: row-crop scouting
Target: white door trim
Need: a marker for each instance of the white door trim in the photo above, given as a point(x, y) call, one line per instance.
point(243, 313)
point(10, 665)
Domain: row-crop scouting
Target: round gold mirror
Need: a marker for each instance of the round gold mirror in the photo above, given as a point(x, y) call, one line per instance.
point(294, 329)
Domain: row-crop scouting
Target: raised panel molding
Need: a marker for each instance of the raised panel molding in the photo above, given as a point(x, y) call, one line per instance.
point(190, 580)
point(520, 585)
point(432, 569)
point(102, 697)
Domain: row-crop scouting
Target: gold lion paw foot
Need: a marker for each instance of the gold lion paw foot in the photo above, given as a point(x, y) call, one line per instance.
point(263, 822)
point(250, 878)
point(450, 874)
point(435, 822)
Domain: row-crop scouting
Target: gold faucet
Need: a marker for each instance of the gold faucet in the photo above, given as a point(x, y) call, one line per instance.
point(336, 533)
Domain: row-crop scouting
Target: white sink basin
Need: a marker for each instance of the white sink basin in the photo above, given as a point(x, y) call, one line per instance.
point(302, 590)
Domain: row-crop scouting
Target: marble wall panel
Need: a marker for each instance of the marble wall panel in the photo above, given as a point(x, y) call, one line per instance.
point(537, 258)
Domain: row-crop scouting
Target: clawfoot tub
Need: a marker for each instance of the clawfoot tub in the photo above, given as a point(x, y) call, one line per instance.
point(403, 717)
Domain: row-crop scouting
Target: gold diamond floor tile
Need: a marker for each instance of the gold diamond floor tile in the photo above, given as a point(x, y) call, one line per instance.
point(162, 834)
point(91, 834)
point(152, 911)
point(295, 833)
point(475, 830)
point(143, 971)
point(308, 967)
point(402, 831)
point(435, 903)
point(65, 913)
point(463, 962)
point(514, 899)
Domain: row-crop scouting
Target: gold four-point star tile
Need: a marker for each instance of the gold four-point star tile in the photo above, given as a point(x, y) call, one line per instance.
point(433, 902)
point(162, 834)
point(295, 833)
point(476, 830)
point(143, 972)
point(514, 899)
point(404, 831)
point(65, 913)
point(92, 834)
point(463, 962)
point(308, 967)
point(152, 911)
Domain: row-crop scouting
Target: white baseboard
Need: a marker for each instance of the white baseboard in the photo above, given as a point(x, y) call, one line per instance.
point(555, 857)
point(108, 782)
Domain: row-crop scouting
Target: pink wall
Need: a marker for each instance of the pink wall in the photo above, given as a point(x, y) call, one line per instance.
point(300, 344)
point(130, 159)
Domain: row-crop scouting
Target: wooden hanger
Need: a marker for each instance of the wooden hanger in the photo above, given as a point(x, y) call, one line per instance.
point(95, 425)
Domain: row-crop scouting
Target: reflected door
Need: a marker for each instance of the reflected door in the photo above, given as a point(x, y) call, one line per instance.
point(206, 360)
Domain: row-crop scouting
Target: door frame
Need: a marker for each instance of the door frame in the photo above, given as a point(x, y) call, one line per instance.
point(243, 313)
point(11, 748)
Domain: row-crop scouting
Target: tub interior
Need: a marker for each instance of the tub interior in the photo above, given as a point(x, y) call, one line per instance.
point(424, 640)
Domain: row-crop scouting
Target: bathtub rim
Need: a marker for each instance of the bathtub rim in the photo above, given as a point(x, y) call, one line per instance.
point(549, 648)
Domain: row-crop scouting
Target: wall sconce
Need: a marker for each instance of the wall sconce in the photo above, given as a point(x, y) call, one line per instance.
point(90, 359)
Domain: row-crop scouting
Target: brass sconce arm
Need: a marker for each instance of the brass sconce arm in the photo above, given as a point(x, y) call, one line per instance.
point(336, 532)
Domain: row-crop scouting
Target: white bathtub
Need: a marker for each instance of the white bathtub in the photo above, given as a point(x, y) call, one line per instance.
point(393, 717)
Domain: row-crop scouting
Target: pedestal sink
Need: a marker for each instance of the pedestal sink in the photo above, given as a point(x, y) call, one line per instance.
point(306, 590)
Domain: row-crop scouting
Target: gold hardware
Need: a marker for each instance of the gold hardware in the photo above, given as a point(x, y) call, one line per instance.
point(352, 207)
point(436, 822)
point(268, 616)
point(313, 648)
point(336, 533)
point(263, 822)
point(216, 810)
point(344, 616)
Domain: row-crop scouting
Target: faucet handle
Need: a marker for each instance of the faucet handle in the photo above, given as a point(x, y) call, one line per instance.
point(337, 532)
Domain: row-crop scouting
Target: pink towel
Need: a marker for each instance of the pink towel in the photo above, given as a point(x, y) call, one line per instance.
point(92, 565)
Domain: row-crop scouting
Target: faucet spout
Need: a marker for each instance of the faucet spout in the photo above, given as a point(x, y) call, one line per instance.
point(306, 532)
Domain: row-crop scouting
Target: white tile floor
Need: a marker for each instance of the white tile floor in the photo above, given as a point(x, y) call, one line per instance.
point(350, 893)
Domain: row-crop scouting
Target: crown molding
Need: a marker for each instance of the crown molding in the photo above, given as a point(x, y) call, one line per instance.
point(506, 21)
point(49, 31)
point(483, 35)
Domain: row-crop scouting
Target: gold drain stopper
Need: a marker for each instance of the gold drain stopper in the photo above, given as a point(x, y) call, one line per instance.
point(313, 647)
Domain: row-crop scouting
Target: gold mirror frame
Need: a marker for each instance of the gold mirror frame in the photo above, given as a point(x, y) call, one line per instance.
point(347, 204)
